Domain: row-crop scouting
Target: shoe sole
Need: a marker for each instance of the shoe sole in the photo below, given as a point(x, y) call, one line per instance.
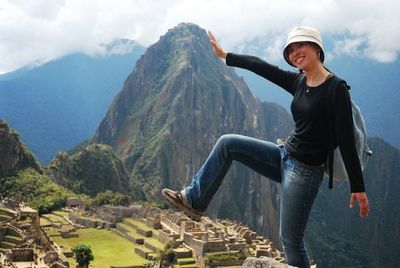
point(187, 211)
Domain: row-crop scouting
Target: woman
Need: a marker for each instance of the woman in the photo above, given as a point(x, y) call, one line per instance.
point(297, 164)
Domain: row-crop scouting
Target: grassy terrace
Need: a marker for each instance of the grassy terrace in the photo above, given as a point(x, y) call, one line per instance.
point(54, 218)
point(44, 222)
point(61, 213)
point(151, 240)
point(4, 217)
point(5, 210)
point(5, 214)
point(216, 257)
point(108, 248)
point(52, 231)
point(142, 225)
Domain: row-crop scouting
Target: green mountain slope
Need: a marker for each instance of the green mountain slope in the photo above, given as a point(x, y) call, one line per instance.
point(21, 175)
point(94, 168)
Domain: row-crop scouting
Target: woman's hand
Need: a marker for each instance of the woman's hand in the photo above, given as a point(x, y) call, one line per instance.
point(217, 48)
point(362, 200)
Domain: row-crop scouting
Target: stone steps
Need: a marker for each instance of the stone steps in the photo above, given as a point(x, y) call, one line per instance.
point(4, 211)
point(152, 247)
point(125, 233)
point(144, 253)
point(13, 239)
point(129, 223)
point(4, 218)
point(186, 261)
point(144, 232)
point(7, 245)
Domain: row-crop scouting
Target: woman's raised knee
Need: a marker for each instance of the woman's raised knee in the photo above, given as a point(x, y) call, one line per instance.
point(227, 139)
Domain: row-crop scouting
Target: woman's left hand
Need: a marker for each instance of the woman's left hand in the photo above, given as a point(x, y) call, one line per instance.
point(362, 200)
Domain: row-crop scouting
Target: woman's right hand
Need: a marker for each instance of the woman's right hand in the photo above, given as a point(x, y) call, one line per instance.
point(362, 200)
point(219, 52)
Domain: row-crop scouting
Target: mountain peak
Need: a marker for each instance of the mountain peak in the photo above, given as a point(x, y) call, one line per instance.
point(180, 63)
point(184, 40)
point(185, 31)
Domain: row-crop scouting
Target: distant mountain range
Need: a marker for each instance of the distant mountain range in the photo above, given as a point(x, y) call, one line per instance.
point(59, 104)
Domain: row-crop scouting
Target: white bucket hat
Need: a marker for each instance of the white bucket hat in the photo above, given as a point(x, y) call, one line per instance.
point(304, 34)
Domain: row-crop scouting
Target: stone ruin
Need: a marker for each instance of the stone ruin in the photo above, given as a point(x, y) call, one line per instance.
point(213, 236)
point(22, 240)
point(187, 238)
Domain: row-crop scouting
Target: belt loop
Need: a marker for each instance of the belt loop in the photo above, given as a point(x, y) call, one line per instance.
point(285, 153)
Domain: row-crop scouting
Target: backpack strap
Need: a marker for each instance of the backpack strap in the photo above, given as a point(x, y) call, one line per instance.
point(300, 80)
point(336, 81)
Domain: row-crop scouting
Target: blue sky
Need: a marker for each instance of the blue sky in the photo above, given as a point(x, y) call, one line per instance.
point(36, 31)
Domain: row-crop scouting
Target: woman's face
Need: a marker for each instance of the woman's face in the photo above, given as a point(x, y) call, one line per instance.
point(303, 55)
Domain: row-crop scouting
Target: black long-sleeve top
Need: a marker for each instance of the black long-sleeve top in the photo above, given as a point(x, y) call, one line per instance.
point(309, 141)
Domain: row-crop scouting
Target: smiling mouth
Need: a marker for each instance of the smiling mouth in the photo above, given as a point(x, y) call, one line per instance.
point(299, 60)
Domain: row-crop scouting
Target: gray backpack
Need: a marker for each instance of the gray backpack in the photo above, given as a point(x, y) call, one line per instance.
point(335, 168)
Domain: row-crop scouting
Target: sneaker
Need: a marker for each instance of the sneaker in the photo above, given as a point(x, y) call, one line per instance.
point(175, 198)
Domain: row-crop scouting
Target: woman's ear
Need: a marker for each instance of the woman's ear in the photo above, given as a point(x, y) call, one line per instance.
point(317, 48)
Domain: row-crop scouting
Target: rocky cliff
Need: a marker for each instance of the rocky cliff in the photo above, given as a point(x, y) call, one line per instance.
point(14, 155)
point(360, 242)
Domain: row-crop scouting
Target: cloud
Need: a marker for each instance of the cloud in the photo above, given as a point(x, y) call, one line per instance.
point(40, 30)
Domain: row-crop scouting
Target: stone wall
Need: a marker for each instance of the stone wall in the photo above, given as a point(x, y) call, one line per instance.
point(195, 244)
point(171, 224)
point(117, 213)
point(141, 253)
point(183, 253)
point(151, 247)
point(127, 236)
point(166, 236)
point(144, 232)
point(20, 254)
point(93, 223)
point(237, 246)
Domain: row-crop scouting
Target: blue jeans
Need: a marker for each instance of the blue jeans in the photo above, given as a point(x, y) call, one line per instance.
point(300, 184)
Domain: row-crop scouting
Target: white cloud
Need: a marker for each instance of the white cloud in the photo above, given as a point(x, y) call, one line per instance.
point(349, 46)
point(43, 30)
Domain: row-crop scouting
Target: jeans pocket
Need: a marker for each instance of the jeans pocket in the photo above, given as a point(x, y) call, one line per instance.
point(302, 170)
